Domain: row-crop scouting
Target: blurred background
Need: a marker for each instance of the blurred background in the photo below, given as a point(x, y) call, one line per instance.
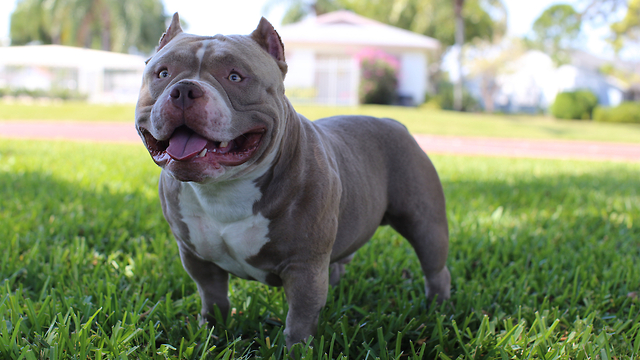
point(507, 56)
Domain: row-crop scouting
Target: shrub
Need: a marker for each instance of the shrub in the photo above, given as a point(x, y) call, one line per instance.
point(379, 80)
point(444, 98)
point(577, 105)
point(55, 93)
point(627, 112)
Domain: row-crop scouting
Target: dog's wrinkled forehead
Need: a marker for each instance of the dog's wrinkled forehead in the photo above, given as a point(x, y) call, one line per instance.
point(208, 53)
point(260, 52)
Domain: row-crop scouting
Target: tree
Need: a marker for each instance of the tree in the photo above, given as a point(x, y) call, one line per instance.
point(482, 18)
point(488, 61)
point(628, 29)
point(459, 36)
point(555, 32)
point(299, 9)
point(558, 28)
point(600, 12)
point(115, 25)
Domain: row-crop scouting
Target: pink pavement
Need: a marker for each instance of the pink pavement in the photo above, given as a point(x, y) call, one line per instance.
point(124, 132)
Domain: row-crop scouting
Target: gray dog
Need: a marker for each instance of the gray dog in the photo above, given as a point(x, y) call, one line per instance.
point(252, 188)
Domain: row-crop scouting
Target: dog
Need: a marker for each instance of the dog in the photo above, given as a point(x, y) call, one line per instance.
point(251, 188)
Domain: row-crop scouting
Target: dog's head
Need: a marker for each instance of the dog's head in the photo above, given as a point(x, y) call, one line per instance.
point(213, 108)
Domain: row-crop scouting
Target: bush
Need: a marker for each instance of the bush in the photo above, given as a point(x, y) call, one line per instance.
point(379, 81)
point(627, 112)
point(444, 99)
point(577, 105)
point(55, 93)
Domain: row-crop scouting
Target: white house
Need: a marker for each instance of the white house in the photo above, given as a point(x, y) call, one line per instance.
point(322, 54)
point(105, 77)
point(533, 81)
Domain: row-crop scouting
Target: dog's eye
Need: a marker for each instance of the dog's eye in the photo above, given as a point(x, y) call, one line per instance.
point(235, 77)
point(163, 74)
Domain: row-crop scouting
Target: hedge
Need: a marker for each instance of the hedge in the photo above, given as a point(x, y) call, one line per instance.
point(444, 99)
point(577, 105)
point(627, 112)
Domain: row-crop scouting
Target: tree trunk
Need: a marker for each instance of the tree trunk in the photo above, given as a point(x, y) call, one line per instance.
point(488, 89)
point(105, 17)
point(83, 35)
point(106, 31)
point(457, 90)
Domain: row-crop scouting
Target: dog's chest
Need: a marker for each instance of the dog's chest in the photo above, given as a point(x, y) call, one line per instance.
point(222, 226)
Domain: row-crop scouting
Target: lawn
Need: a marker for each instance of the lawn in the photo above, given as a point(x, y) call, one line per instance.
point(64, 111)
point(544, 262)
point(418, 120)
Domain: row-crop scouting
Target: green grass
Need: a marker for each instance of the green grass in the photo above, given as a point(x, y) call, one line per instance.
point(544, 262)
point(418, 120)
point(440, 122)
point(64, 111)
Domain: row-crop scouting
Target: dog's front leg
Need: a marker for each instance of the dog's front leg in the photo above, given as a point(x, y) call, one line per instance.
point(306, 286)
point(212, 282)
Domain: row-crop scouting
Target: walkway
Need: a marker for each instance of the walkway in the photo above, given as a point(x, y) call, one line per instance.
point(432, 144)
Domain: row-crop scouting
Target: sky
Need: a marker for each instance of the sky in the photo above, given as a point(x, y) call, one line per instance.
point(209, 17)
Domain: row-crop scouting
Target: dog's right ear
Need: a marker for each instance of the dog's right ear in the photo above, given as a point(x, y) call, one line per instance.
point(172, 31)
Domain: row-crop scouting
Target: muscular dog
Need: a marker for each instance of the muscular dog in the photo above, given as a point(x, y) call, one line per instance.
point(254, 189)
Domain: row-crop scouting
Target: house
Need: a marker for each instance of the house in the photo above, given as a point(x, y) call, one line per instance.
point(104, 77)
point(530, 83)
point(322, 53)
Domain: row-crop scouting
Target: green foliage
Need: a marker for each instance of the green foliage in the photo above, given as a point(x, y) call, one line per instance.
point(378, 80)
point(576, 105)
point(624, 75)
point(483, 19)
point(434, 18)
point(444, 98)
point(295, 13)
point(627, 112)
point(627, 30)
point(298, 9)
point(115, 25)
point(62, 94)
point(543, 259)
point(29, 23)
point(555, 32)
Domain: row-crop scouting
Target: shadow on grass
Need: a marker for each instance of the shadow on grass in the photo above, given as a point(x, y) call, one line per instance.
point(565, 244)
point(58, 234)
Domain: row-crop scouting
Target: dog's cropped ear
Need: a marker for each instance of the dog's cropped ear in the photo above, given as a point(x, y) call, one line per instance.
point(172, 31)
point(267, 37)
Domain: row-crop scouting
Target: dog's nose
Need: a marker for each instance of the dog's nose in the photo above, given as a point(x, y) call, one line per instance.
point(184, 95)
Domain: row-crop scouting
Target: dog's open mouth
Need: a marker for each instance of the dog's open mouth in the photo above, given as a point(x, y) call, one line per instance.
point(186, 145)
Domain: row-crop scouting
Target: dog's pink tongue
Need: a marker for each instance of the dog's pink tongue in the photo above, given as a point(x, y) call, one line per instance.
point(185, 144)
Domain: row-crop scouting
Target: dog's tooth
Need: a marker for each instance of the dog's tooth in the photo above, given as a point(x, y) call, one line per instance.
point(224, 144)
point(203, 153)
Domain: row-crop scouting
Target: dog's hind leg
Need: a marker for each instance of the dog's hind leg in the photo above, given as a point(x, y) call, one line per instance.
point(417, 211)
point(431, 244)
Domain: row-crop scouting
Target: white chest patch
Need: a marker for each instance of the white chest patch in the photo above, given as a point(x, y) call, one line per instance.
point(222, 226)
